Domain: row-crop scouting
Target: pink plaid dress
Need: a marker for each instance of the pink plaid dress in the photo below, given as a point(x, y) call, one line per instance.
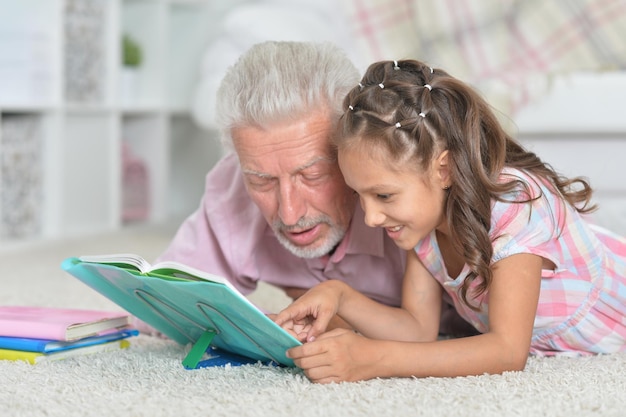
point(582, 303)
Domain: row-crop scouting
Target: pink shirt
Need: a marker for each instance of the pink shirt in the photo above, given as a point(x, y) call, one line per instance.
point(582, 302)
point(228, 236)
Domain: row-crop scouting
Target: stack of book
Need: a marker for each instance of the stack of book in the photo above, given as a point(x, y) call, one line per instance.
point(33, 334)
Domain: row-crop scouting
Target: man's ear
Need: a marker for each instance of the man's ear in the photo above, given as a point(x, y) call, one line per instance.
point(442, 169)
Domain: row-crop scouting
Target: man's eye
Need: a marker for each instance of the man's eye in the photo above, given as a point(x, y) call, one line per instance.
point(259, 182)
point(313, 177)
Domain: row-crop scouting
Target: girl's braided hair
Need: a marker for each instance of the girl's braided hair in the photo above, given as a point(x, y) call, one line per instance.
point(414, 112)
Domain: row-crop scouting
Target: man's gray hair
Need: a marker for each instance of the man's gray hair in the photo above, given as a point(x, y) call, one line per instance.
point(279, 81)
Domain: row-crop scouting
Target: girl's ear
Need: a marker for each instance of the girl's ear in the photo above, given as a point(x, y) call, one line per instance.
point(442, 169)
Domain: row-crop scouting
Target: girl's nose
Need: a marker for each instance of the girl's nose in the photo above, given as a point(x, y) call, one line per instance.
point(373, 217)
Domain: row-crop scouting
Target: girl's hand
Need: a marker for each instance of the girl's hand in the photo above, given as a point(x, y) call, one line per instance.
point(308, 316)
point(336, 356)
point(299, 330)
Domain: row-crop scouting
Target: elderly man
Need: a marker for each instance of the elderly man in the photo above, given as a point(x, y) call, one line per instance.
point(277, 209)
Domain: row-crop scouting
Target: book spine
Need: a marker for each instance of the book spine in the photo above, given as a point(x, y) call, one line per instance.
point(32, 329)
point(22, 343)
point(20, 355)
point(35, 357)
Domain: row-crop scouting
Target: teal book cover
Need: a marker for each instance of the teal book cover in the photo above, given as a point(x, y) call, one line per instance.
point(185, 305)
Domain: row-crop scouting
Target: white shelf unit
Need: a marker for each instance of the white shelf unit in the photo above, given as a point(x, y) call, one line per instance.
point(62, 109)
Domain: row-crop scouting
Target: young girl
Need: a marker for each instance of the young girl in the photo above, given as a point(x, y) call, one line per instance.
point(484, 222)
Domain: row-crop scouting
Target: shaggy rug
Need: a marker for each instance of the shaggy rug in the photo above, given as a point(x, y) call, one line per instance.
point(147, 379)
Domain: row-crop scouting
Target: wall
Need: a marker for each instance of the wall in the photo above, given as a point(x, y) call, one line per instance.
point(580, 128)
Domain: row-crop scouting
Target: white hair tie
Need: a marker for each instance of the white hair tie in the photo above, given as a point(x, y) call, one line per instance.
point(430, 88)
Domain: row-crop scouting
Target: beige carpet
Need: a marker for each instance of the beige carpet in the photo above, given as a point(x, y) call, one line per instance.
point(148, 379)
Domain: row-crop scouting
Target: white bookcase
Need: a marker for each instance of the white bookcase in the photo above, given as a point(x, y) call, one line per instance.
point(66, 114)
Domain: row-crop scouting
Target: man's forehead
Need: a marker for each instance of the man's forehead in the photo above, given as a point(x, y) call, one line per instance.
point(285, 146)
point(262, 168)
point(319, 120)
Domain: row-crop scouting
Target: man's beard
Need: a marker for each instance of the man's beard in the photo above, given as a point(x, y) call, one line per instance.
point(332, 239)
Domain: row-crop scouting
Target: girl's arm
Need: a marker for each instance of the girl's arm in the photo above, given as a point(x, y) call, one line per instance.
point(417, 320)
point(513, 296)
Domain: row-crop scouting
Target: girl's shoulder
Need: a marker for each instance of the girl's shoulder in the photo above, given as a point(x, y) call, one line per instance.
point(528, 192)
point(530, 215)
point(528, 186)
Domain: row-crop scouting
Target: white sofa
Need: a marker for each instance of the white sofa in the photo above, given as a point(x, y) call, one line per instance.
point(579, 127)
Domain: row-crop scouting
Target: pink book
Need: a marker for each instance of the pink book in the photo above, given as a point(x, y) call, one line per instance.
point(58, 323)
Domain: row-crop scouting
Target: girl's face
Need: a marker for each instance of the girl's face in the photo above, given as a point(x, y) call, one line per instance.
point(407, 203)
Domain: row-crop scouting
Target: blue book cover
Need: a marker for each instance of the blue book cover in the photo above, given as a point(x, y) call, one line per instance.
point(186, 304)
point(49, 346)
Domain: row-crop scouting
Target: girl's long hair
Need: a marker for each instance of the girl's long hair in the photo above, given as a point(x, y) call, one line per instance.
point(414, 112)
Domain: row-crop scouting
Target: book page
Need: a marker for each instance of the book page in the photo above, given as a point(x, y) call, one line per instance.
point(165, 269)
point(128, 259)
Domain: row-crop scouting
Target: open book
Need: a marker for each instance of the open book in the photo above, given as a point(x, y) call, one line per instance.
point(187, 305)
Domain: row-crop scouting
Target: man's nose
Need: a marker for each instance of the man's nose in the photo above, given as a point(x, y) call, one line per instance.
point(291, 203)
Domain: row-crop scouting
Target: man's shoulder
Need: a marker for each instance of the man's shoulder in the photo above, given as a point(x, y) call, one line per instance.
point(225, 171)
point(224, 184)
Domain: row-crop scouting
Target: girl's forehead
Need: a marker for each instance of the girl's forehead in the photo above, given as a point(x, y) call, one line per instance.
point(362, 159)
point(371, 155)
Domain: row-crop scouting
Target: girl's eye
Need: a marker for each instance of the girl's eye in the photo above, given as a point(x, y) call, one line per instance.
point(383, 196)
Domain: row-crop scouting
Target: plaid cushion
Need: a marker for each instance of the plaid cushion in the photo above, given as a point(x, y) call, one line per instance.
point(504, 48)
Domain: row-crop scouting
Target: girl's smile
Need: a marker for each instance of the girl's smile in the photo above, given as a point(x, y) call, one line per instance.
point(394, 232)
